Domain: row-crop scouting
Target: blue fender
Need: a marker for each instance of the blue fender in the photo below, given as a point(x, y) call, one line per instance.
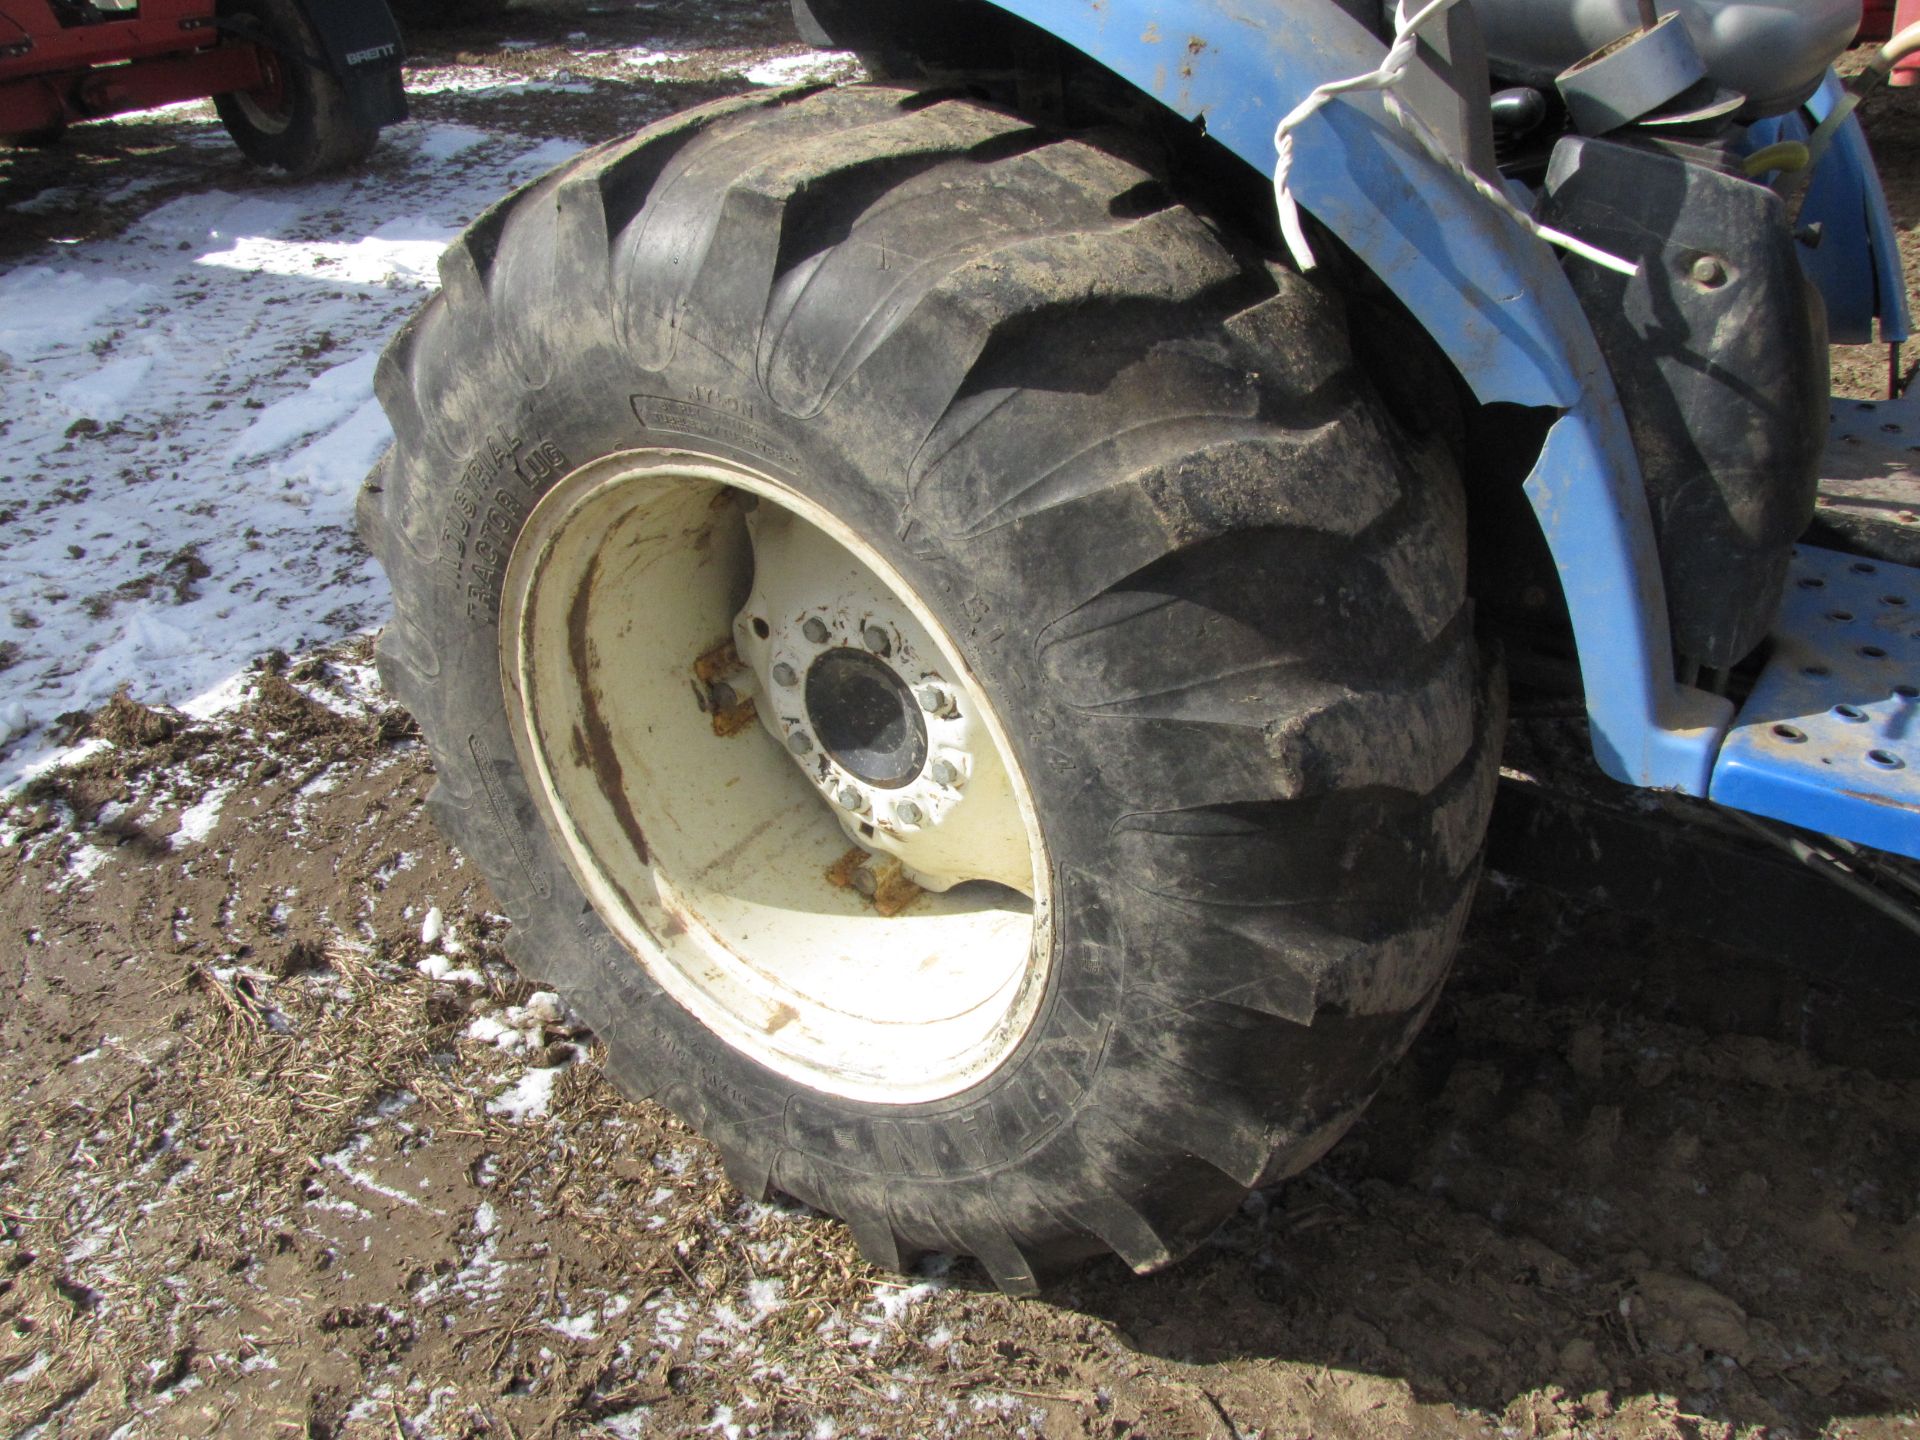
point(1857, 263)
point(1491, 295)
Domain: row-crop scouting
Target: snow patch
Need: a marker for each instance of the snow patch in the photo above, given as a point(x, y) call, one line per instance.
point(45, 312)
point(32, 1370)
point(439, 967)
point(339, 1159)
point(586, 1325)
point(638, 57)
point(330, 399)
point(518, 1028)
point(529, 1099)
point(484, 1274)
point(763, 1298)
point(816, 67)
point(481, 82)
point(108, 393)
point(86, 860)
point(197, 821)
point(402, 253)
point(446, 142)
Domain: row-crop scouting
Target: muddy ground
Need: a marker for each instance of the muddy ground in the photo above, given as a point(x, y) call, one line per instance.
point(285, 1148)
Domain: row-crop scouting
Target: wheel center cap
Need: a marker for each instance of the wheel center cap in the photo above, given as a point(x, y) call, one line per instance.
point(866, 718)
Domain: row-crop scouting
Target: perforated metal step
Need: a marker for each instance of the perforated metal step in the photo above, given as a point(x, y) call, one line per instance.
point(1830, 737)
point(1870, 479)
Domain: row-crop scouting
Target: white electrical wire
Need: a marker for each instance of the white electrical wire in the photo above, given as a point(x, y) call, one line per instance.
point(1406, 41)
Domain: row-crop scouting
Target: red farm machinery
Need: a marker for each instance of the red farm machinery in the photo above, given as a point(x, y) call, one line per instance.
point(300, 86)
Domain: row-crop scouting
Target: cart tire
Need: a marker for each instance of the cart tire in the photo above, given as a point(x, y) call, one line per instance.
point(302, 121)
point(1163, 543)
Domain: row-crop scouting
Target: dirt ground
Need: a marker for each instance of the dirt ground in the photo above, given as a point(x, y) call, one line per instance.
point(286, 1149)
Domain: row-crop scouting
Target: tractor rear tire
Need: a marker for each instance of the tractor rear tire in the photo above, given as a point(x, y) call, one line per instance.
point(302, 121)
point(1160, 538)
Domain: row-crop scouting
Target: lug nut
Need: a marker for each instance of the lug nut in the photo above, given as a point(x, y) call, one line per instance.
point(816, 631)
point(784, 674)
point(932, 699)
point(799, 744)
point(945, 772)
point(877, 641)
point(908, 813)
point(852, 799)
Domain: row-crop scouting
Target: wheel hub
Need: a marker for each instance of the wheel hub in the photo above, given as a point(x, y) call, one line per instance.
point(866, 718)
point(873, 713)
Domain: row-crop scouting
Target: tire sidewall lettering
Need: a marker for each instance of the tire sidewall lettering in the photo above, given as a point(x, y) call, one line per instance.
point(486, 508)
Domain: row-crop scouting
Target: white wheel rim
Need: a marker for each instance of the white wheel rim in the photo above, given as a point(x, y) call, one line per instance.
point(707, 811)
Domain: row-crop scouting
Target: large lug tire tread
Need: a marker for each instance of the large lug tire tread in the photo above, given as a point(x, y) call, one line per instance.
point(1219, 597)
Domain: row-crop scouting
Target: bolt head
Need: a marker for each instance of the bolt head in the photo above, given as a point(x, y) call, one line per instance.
point(724, 696)
point(878, 642)
point(908, 813)
point(1709, 271)
point(945, 772)
point(800, 743)
point(852, 799)
point(932, 699)
point(785, 674)
point(816, 631)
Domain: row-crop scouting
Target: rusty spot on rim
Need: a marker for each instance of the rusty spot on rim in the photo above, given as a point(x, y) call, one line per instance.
point(710, 670)
point(596, 734)
point(886, 885)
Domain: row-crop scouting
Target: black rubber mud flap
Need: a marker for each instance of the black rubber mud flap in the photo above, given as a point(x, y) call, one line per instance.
point(362, 44)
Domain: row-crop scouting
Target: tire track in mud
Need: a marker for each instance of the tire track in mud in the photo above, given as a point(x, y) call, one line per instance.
point(1620, 1180)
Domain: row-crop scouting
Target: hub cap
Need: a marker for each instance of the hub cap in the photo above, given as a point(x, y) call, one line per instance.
point(809, 833)
point(867, 720)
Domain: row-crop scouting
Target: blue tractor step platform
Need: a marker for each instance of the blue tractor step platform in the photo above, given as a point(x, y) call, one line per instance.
point(1870, 479)
point(1829, 739)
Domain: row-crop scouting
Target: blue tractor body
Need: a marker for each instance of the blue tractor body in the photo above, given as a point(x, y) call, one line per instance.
point(1499, 304)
